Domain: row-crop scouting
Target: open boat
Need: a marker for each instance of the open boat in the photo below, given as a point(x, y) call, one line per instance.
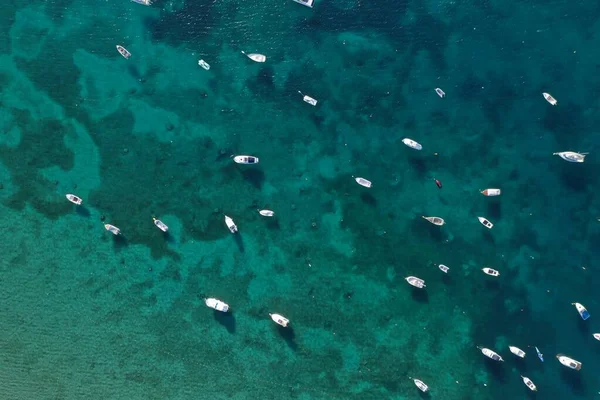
point(485, 222)
point(568, 362)
point(581, 310)
point(549, 98)
point(528, 383)
point(517, 351)
point(440, 92)
point(307, 3)
point(435, 220)
point(143, 2)
point(266, 213)
point(596, 336)
point(280, 319)
point(416, 282)
point(490, 354)
point(443, 268)
point(571, 156)
point(490, 271)
point(160, 225)
point(412, 144)
point(421, 385)
point(230, 224)
point(123, 51)
point(216, 304)
point(245, 159)
point(112, 229)
point(204, 64)
point(539, 354)
point(491, 192)
point(363, 182)
point(308, 99)
point(74, 199)
point(259, 58)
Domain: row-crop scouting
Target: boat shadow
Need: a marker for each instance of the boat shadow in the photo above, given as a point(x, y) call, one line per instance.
point(289, 336)
point(496, 369)
point(583, 326)
point(119, 241)
point(255, 176)
point(368, 199)
point(83, 211)
point(494, 211)
point(239, 242)
point(419, 165)
point(420, 295)
point(226, 319)
point(487, 236)
point(573, 379)
point(273, 224)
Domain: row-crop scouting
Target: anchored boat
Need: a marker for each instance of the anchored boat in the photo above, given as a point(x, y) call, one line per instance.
point(435, 220)
point(160, 225)
point(485, 222)
point(490, 271)
point(490, 354)
point(204, 64)
point(569, 362)
point(596, 336)
point(245, 159)
point(363, 182)
point(308, 99)
point(550, 99)
point(581, 310)
point(230, 224)
point(416, 282)
point(143, 2)
point(440, 92)
point(443, 268)
point(539, 354)
point(74, 199)
point(307, 3)
point(123, 51)
point(216, 304)
point(266, 213)
point(528, 383)
point(421, 385)
point(112, 229)
point(280, 319)
point(259, 58)
point(491, 192)
point(517, 351)
point(571, 156)
point(412, 144)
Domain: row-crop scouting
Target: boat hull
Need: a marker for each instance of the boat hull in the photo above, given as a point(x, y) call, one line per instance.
point(266, 213)
point(246, 159)
point(216, 304)
point(74, 199)
point(204, 64)
point(230, 224)
point(280, 320)
point(517, 351)
point(568, 362)
point(412, 144)
point(363, 182)
point(491, 192)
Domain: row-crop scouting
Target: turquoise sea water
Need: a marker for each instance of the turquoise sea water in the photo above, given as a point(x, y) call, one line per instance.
point(86, 315)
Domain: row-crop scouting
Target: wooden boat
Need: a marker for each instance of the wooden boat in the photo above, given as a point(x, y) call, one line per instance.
point(581, 310)
point(416, 282)
point(412, 144)
point(74, 199)
point(550, 99)
point(259, 58)
point(435, 220)
point(112, 229)
point(571, 156)
point(216, 304)
point(266, 213)
point(443, 268)
point(596, 336)
point(491, 192)
point(485, 222)
point(528, 383)
point(204, 64)
point(517, 351)
point(143, 2)
point(490, 271)
point(568, 362)
point(245, 159)
point(539, 354)
point(421, 385)
point(307, 3)
point(160, 225)
point(230, 224)
point(308, 99)
point(363, 182)
point(123, 51)
point(490, 354)
point(280, 319)
point(440, 92)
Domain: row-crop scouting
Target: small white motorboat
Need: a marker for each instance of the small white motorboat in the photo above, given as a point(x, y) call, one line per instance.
point(412, 144)
point(490, 354)
point(230, 224)
point(571, 156)
point(435, 220)
point(528, 383)
point(490, 271)
point(416, 282)
point(363, 182)
point(517, 351)
point(112, 229)
point(143, 2)
point(549, 98)
point(596, 336)
point(568, 362)
point(440, 92)
point(74, 199)
point(307, 3)
point(491, 192)
point(421, 385)
point(245, 159)
point(266, 213)
point(123, 51)
point(581, 310)
point(216, 304)
point(443, 268)
point(259, 58)
point(204, 64)
point(308, 99)
point(280, 319)
point(485, 222)
point(160, 225)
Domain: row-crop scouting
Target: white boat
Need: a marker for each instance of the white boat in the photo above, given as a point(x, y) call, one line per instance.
point(440, 92)
point(571, 156)
point(581, 310)
point(549, 98)
point(160, 225)
point(435, 220)
point(363, 182)
point(596, 336)
point(266, 213)
point(143, 2)
point(260, 58)
point(280, 319)
point(123, 51)
point(245, 159)
point(490, 271)
point(308, 99)
point(485, 222)
point(568, 362)
point(307, 3)
point(416, 282)
point(216, 304)
point(517, 351)
point(443, 268)
point(421, 385)
point(112, 229)
point(412, 144)
point(74, 199)
point(491, 192)
point(528, 383)
point(204, 64)
point(230, 224)
point(490, 354)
